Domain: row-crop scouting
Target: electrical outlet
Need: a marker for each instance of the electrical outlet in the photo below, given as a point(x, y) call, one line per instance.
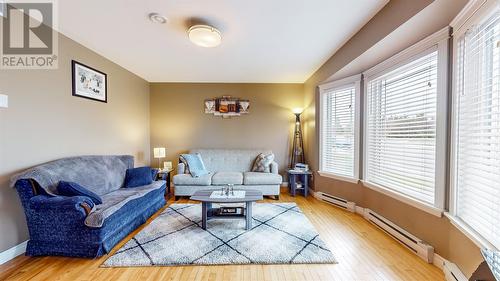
point(4, 101)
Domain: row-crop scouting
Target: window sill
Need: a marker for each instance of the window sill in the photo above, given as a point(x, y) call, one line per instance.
point(337, 177)
point(469, 232)
point(405, 199)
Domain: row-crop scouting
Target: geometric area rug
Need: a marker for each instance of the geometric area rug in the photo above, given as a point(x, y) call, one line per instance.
point(281, 234)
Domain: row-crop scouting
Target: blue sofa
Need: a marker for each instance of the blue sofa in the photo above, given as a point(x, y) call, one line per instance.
point(74, 226)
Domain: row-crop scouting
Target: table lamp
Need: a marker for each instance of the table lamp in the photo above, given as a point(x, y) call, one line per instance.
point(159, 152)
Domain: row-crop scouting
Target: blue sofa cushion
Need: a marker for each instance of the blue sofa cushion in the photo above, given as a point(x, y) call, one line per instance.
point(73, 189)
point(138, 177)
point(195, 164)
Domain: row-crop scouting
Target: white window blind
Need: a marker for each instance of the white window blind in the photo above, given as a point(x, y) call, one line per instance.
point(339, 129)
point(477, 133)
point(401, 107)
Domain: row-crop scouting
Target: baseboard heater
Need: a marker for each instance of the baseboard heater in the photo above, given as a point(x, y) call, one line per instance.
point(338, 202)
point(452, 272)
point(416, 245)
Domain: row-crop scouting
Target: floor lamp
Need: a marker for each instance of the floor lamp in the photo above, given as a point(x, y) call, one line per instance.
point(298, 141)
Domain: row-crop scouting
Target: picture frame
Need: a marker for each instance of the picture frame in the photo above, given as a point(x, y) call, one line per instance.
point(88, 82)
point(226, 106)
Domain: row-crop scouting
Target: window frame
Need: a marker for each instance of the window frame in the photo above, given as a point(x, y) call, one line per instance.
point(473, 13)
point(438, 41)
point(323, 90)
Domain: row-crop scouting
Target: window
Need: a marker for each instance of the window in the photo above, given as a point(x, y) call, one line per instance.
point(403, 127)
point(476, 170)
point(3, 8)
point(339, 136)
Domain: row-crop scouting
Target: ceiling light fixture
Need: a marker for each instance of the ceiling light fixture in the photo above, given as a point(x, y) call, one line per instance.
point(204, 35)
point(157, 18)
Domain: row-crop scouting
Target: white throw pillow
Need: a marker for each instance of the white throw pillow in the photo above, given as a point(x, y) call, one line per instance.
point(263, 163)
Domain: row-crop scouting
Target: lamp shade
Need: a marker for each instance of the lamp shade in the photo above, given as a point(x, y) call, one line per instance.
point(159, 152)
point(4, 101)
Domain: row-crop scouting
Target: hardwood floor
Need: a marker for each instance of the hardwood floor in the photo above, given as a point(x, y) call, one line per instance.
point(363, 251)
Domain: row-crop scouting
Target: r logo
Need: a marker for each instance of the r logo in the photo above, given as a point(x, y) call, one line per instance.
point(29, 36)
point(27, 29)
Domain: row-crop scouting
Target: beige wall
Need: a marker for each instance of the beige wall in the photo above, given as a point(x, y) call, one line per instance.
point(45, 122)
point(447, 240)
point(179, 123)
point(395, 13)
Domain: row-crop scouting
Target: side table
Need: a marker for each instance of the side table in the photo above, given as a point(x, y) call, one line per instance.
point(165, 175)
point(294, 177)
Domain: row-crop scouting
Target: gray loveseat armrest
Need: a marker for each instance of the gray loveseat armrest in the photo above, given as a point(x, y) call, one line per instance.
point(181, 168)
point(274, 167)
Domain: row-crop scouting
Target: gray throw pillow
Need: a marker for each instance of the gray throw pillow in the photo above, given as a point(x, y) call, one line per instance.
point(186, 167)
point(263, 163)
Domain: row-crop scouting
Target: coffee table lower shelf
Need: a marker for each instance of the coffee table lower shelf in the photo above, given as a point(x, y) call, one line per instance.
point(208, 213)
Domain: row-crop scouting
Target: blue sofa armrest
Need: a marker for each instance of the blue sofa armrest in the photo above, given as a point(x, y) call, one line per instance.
point(57, 219)
point(79, 205)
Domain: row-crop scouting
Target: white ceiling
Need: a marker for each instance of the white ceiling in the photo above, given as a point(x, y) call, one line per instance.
point(263, 41)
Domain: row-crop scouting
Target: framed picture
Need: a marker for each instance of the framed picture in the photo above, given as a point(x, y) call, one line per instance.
point(227, 106)
point(210, 106)
point(243, 106)
point(88, 82)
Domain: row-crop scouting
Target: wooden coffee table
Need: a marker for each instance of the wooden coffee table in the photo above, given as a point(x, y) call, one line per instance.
point(212, 213)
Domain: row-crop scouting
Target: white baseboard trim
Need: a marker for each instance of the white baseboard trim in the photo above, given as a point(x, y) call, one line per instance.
point(438, 261)
point(284, 184)
point(359, 210)
point(13, 252)
point(452, 272)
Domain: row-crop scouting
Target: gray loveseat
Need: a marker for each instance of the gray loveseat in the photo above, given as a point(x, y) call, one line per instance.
point(228, 166)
